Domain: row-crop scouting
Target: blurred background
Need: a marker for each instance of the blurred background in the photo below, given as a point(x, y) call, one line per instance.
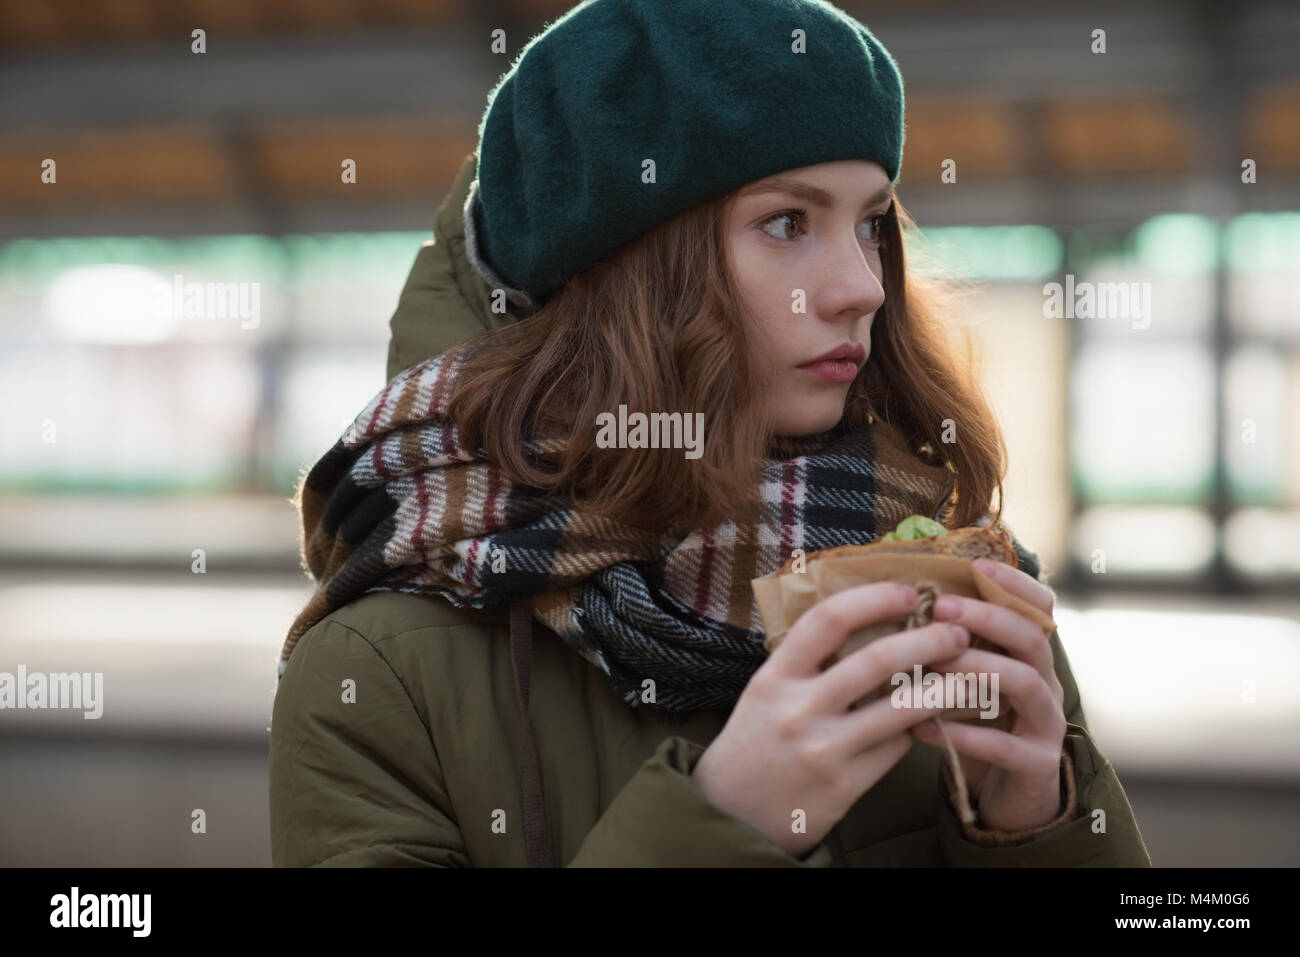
point(147, 457)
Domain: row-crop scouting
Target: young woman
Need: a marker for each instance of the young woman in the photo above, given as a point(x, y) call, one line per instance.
point(533, 638)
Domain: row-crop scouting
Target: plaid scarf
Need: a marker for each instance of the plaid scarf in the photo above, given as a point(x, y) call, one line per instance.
point(398, 504)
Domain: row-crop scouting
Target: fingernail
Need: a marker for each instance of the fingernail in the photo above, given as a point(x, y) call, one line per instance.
point(947, 605)
point(986, 565)
point(963, 636)
point(927, 728)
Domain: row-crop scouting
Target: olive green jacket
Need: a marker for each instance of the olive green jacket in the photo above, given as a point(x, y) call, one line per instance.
point(396, 736)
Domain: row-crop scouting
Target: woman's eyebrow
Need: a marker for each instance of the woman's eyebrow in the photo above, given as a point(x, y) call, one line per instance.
point(806, 191)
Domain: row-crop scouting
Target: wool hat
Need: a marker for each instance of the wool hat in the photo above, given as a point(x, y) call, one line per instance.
point(623, 113)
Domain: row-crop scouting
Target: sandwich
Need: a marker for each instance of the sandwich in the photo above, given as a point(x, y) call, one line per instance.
point(918, 535)
point(919, 552)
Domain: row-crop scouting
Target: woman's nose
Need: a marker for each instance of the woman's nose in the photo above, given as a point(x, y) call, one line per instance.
point(853, 282)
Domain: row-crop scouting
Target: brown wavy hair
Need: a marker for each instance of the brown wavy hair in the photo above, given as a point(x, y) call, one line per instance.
point(659, 326)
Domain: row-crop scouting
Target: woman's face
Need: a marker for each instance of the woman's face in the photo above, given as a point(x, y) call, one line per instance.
point(804, 248)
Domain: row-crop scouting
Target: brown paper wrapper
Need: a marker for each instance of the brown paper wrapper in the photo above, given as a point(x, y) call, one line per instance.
point(783, 598)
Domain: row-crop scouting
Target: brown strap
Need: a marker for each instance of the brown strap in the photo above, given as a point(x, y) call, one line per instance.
point(536, 845)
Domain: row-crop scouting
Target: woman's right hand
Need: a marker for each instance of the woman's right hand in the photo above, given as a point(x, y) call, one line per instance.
point(793, 742)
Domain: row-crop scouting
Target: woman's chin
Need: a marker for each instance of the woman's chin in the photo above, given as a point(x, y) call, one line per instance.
point(793, 421)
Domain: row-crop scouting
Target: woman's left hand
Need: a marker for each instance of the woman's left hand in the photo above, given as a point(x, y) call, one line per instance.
point(1015, 775)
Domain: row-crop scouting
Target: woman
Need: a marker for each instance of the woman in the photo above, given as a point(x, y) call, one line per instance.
point(533, 638)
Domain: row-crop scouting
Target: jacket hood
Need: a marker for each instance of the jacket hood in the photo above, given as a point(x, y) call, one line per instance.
point(449, 294)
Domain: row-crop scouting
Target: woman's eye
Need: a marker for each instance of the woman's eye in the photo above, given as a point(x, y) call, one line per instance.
point(874, 225)
point(791, 216)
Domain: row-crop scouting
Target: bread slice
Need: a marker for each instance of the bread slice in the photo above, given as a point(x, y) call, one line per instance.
point(969, 543)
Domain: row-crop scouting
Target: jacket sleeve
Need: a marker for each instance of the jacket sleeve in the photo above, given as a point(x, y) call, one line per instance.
point(361, 785)
point(661, 818)
point(354, 783)
point(1097, 827)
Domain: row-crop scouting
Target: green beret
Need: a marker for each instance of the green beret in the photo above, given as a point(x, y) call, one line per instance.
point(623, 113)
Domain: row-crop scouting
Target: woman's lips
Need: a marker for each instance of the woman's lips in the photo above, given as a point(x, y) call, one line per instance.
point(839, 364)
point(833, 370)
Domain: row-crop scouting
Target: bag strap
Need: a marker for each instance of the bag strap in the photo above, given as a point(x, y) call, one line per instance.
point(536, 845)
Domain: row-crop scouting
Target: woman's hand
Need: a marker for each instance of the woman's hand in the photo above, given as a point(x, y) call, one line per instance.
point(795, 747)
point(1014, 775)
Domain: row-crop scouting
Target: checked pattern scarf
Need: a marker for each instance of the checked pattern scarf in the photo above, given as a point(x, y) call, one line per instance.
point(398, 504)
